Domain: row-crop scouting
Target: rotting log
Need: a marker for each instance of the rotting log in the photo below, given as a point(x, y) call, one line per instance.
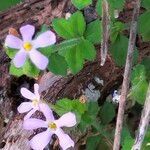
point(53, 87)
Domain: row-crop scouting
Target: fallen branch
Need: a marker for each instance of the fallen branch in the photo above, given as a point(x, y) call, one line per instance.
point(126, 79)
point(105, 31)
point(144, 123)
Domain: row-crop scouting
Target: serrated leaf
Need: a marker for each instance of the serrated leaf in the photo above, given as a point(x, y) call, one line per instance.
point(93, 32)
point(93, 108)
point(143, 26)
point(139, 84)
point(58, 64)
point(15, 71)
point(116, 28)
point(145, 4)
point(146, 142)
point(72, 28)
point(114, 5)
point(28, 69)
point(75, 51)
point(138, 74)
point(80, 4)
point(62, 47)
point(88, 50)
point(128, 143)
point(146, 63)
point(93, 142)
point(107, 113)
point(65, 105)
point(8, 3)
point(74, 58)
point(11, 52)
point(85, 122)
point(118, 50)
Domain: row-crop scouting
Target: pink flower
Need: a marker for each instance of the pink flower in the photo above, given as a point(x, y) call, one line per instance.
point(34, 105)
point(28, 47)
point(39, 141)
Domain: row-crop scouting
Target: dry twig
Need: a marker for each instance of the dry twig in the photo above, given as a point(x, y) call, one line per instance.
point(144, 123)
point(105, 31)
point(126, 80)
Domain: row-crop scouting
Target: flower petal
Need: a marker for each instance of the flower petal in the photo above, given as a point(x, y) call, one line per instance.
point(36, 90)
point(27, 94)
point(29, 114)
point(33, 123)
point(64, 140)
point(67, 120)
point(24, 107)
point(45, 109)
point(39, 141)
point(38, 59)
point(45, 39)
point(27, 32)
point(13, 42)
point(20, 58)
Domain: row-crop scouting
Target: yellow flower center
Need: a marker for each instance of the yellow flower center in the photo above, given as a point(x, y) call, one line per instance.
point(35, 102)
point(52, 126)
point(27, 46)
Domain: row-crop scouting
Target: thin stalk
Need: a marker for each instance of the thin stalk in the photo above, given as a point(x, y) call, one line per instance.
point(126, 80)
point(144, 123)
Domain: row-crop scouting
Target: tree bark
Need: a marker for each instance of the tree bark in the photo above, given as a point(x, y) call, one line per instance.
point(52, 87)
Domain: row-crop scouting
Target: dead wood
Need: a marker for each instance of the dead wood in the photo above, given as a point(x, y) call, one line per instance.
point(53, 87)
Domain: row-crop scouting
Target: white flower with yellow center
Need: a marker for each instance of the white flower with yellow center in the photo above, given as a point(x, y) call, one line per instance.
point(29, 48)
point(34, 105)
point(39, 141)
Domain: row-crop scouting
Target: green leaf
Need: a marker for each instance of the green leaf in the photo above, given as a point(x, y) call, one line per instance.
point(93, 108)
point(8, 3)
point(128, 143)
point(116, 29)
point(114, 5)
point(28, 69)
point(93, 142)
point(15, 71)
point(119, 51)
point(85, 122)
point(93, 32)
point(146, 142)
point(146, 63)
point(139, 84)
point(11, 52)
point(80, 4)
point(143, 26)
point(75, 51)
point(75, 56)
point(146, 4)
point(72, 28)
point(99, 7)
point(65, 105)
point(62, 47)
point(107, 113)
point(58, 64)
point(88, 50)
point(79, 107)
